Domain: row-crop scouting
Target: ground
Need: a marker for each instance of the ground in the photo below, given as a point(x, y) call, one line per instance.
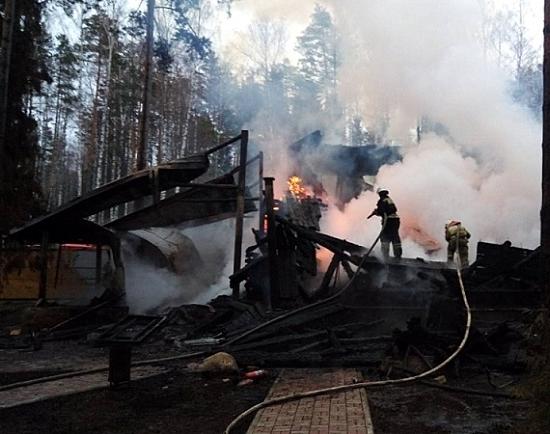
point(418, 409)
point(175, 402)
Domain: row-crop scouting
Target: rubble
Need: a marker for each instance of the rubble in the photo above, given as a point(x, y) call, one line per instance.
point(389, 318)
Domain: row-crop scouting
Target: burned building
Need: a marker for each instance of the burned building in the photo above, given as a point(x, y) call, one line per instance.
point(348, 165)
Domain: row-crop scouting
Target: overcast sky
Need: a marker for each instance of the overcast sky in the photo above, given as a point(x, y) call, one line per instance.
point(226, 31)
point(296, 14)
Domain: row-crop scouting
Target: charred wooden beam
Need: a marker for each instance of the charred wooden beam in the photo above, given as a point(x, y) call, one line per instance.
point(223, 145)
point(240, 208)
point(43, 282)
point(297, 320)
point(261, 205)
point(271, 240)
point(323, 289)
point(273, 342)
point(97, 265)
point(309, 347)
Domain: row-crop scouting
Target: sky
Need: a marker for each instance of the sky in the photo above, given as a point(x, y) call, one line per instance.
point(295, 15)
point(227, 30)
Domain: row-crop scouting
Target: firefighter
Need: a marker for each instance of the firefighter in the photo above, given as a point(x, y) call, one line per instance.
point(457, 236)
point(386, 209)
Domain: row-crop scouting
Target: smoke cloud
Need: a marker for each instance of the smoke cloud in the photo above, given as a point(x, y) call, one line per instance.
point(404, 61)
point(152, 289)
point(423, 60)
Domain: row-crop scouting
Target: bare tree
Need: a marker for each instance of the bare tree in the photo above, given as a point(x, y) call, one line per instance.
point(5, 59)
point(264, 45)
point(523, 53)
point(147, 88)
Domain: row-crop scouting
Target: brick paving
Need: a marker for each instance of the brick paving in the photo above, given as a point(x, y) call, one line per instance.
point(67, 386)
point(345, 412)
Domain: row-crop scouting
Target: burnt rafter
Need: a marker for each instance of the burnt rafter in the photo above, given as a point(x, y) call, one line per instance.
point(349, 164)
point(212, 201)
point(131, 187)
point(195, 204)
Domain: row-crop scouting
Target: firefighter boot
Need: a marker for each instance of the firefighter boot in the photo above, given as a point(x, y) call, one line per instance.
point(397, 250)
point(450, 253)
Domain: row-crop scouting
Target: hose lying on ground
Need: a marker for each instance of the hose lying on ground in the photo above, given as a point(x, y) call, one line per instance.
point(366, 384)
point(310, 306)
point(202, 353)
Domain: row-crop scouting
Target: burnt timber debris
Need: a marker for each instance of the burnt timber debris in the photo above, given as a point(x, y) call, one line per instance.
point(398, 317)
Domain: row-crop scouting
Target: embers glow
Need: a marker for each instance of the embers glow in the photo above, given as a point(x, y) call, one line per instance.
point(296, 187)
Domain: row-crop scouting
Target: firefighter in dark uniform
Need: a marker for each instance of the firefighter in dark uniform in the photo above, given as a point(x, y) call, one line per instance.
point(386, 209)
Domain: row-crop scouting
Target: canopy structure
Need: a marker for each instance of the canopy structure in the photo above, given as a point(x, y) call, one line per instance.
point(135, 186)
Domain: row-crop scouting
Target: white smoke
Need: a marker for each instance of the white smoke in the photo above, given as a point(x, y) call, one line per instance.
point(403, 61)
point(152, 289)
point(413, 59)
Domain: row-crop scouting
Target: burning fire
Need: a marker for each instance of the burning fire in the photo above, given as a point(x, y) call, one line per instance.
point(296, 187)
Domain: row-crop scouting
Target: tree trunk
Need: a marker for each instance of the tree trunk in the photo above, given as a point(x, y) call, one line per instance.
point(545, 208)
point(5, 64)
point(147, 88)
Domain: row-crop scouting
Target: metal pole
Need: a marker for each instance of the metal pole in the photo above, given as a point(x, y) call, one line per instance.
point(240, 207)
point(57, 265)
point(43, 282)
point(271, 239)
point(98, 265)
point(261, 203)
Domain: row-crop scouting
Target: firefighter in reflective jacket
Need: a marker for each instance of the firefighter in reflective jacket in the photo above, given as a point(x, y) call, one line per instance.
point(386, 209)
point(457, 236)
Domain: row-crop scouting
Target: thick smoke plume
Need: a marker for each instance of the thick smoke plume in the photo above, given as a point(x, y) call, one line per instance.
point(403, 62)
point(152, 289)
point(423, 59)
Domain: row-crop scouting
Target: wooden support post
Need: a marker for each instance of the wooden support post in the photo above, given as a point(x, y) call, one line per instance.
point(120, 278)
point(58, 265)
point(324, 288)
point(98, 265)
point(155, 186)
point(243, 156)
point(271, 240)
point(261, 203)
point(43, 283)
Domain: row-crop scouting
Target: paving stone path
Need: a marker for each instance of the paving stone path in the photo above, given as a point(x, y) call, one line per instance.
point(67, 386)
point(345, 412)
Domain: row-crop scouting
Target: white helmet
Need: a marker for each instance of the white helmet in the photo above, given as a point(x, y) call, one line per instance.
point(382, 190)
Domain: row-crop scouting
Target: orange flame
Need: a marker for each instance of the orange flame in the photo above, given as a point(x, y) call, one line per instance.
point(296, 187)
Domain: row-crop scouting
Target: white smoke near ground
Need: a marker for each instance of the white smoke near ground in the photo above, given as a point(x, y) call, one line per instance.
point(422, 59)
point(153, 289)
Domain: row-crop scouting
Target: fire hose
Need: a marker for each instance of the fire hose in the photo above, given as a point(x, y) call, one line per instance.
point(312, 305)
point(367, 384)
point(195, 354)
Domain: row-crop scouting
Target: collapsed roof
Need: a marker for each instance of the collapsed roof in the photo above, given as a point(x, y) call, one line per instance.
point(349, 164)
